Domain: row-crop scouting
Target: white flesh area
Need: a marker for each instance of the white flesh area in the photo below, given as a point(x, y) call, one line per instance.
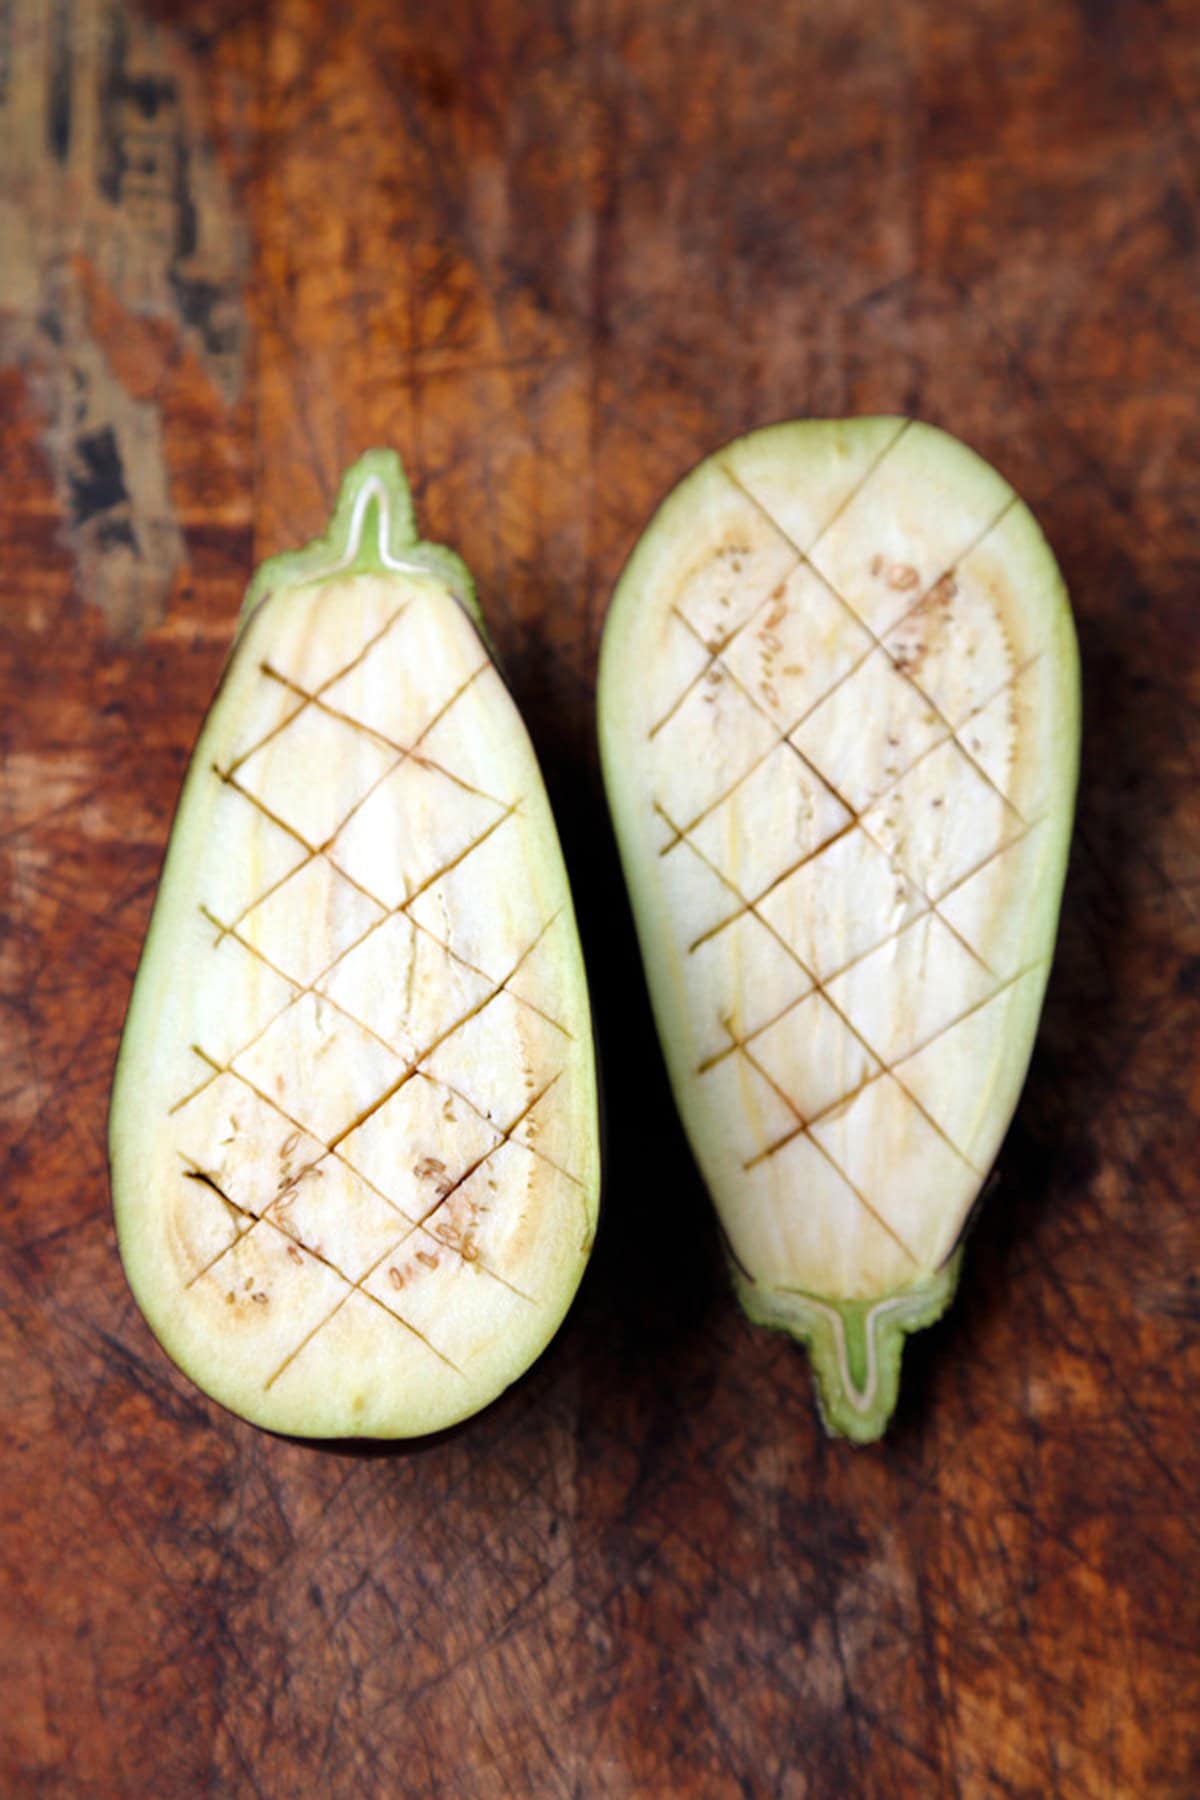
point(843, 819)
point(354, 1144)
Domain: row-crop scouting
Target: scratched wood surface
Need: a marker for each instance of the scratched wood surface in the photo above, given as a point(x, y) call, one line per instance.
point(554, 254)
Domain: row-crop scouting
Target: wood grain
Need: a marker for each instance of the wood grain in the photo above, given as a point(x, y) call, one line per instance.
point(553, 255)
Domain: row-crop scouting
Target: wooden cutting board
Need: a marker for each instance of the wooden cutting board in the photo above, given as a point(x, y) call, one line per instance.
point(553, 254)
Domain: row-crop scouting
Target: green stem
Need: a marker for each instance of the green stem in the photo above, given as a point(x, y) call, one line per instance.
point(854, 1346)
point(372, 531)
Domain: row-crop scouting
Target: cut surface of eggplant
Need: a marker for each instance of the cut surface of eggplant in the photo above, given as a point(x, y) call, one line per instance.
point(839, 725)
point(353, 1133)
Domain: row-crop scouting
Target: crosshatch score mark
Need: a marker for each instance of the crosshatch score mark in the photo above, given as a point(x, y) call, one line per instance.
point(402, 754)
point(413, 1064)
point(855, 820)
point(716, 654)
point(710, 1062)
point(877, 643)
point(803, 1130)
point(868, 1080)
point(801, 556)
point(314, 697)
point(818, 986)
point(410, 1225)
point(949, 736)
point(247, 1220)
point(412, 1069)
point(716, 658)
point(682, 835)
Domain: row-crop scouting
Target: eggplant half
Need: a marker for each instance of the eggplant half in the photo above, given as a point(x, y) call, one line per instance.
point(353, 1135)
point(839, 726)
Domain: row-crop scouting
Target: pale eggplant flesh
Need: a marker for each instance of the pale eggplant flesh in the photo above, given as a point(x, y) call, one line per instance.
point(353, 1134)
point(839, 727)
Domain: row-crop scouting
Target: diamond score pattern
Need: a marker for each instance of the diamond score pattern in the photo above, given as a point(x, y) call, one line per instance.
point(836, 1007)
point(334, 1130)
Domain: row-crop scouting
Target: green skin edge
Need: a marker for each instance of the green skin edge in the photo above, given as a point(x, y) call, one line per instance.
point(855, 1346)
point(372, 531)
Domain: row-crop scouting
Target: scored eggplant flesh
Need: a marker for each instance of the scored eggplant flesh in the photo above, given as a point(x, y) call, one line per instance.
point(839, 725)
point(354, 1133)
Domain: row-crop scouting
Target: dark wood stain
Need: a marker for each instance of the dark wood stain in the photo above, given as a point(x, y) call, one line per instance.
point(554, 254)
